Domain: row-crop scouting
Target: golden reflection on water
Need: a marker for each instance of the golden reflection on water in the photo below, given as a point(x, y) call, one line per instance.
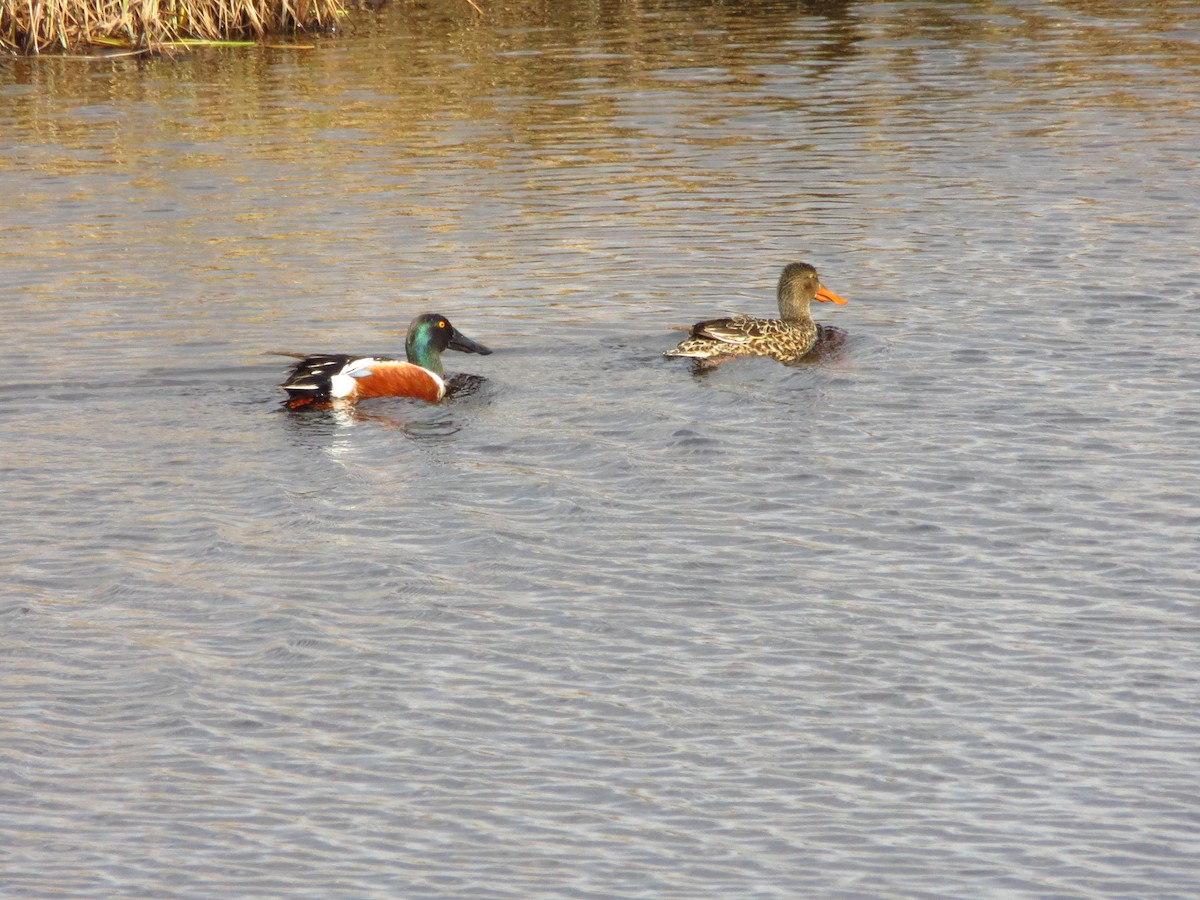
point(555, 74)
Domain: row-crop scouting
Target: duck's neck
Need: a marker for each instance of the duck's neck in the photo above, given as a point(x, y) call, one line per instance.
point(793, 305)
point(421, 352)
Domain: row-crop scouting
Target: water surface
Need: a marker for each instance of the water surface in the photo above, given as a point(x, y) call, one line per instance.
point(916, 617)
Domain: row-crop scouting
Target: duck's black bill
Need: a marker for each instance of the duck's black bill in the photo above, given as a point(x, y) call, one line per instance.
point(459, 341)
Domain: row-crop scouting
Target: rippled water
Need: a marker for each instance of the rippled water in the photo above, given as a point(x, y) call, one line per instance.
point(916, 617)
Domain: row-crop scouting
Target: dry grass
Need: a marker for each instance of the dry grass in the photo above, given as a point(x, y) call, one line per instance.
point(35, 26)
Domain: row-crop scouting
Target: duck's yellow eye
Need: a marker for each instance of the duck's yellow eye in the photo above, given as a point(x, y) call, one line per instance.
point(442, 324)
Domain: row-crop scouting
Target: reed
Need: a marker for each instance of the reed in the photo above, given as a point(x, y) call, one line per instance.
point(36, 26)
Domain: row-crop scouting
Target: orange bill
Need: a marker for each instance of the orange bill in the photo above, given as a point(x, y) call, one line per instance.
point(825, 295)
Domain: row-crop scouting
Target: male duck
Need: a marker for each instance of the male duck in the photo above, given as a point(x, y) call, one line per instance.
point(327, 377)
point(790, 336)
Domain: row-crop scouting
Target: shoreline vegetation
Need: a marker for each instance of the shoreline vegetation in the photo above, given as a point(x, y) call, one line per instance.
point(32, 27)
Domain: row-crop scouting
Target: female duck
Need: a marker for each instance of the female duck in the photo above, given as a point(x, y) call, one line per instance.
point(790, 336)
point(327, 377)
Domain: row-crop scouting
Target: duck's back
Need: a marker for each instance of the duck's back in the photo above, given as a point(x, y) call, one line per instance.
point(747, 336)
point(324, 377)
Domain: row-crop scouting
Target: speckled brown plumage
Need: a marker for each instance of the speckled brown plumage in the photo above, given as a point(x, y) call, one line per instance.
point(790, 336)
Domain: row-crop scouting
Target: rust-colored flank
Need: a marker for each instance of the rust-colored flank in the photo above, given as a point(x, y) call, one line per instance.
point(397, 379)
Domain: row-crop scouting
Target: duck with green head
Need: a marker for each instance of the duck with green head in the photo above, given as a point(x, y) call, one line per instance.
point(326, 377)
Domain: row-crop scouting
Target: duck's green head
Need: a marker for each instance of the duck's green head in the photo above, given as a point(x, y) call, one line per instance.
point(429, 335)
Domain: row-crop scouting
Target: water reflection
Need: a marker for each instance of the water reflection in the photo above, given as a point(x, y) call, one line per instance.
point(417, 73)
point(414, 419)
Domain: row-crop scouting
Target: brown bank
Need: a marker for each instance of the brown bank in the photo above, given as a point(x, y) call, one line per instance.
point(82, 25)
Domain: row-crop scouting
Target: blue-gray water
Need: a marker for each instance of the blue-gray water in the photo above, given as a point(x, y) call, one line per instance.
point(916, 618)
